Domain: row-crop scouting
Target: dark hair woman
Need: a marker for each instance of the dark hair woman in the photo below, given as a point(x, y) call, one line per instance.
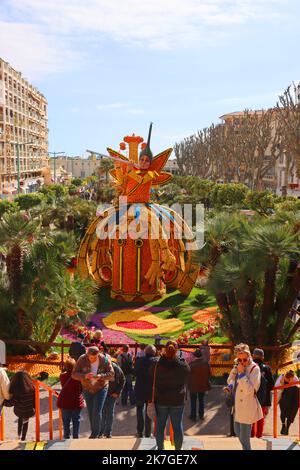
point(22, 391)
point(171, 376)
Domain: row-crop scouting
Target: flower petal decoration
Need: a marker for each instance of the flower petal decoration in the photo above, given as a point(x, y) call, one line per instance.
point(207, 315)
point(137, 325)
point(115, 319)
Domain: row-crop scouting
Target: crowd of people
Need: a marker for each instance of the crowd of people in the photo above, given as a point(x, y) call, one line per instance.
point(158, 379)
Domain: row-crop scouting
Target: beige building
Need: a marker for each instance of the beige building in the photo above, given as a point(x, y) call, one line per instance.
point(172, 167)
point(23, 127)
point(77, 167)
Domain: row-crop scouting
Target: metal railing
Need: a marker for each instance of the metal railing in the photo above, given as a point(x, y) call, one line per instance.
point(51, 393)
point(135, 346)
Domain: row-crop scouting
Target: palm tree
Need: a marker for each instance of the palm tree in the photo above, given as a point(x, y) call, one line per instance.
point(270, 243)
point(220, 238)
point(17, 231)
point(105, 166)
point(48, 292)
point(256, 278)
point(66, 298)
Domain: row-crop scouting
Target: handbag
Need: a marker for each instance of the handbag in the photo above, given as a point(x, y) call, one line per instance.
point(151, 410)
point(229, 398)
point(9, 403)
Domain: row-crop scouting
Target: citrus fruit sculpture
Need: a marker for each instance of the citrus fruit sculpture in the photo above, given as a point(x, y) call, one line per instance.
point(137, 247)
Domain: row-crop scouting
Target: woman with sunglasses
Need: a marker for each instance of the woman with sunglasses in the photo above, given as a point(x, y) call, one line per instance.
point(243, 382)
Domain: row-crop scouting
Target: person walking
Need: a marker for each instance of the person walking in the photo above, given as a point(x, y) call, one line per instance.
point(125, 361)
point(77, 348)
point(205, 350)
point(243, 383)
point(170, 376)
point(198, 384)
point(264, 393)
point(22, 392)
point(97, 339)
point(143, 390)
point(94, 370)
point(289, 400)
point(114, 389)
point(141, 353)
point(70, 400)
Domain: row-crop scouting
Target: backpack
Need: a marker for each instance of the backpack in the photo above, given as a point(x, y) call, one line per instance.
point(126, 364)
point(262, 391)
point(119, 376)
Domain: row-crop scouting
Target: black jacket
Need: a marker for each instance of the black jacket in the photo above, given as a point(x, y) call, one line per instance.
point(24, 406)
point(117, 384)
point(289, 403)
point(143, 384)
point(170, 382)
point(76, 350)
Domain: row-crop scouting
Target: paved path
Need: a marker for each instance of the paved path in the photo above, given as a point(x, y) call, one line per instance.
point(216, 421)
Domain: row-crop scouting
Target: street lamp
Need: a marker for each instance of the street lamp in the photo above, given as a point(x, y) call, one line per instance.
point(54, 162)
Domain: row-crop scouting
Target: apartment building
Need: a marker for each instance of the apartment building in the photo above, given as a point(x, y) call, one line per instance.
point(23, 131)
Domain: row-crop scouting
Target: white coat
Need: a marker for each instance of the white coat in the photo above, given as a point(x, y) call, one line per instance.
point(247, 409)
point(4, 386)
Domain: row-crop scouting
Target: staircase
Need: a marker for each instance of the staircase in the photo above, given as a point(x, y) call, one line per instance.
point(148, 444)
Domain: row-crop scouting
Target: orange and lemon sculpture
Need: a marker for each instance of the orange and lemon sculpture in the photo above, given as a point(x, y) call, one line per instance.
point(135, 246)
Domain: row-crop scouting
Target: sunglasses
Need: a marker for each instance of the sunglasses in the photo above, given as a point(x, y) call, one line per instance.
point(243, 360)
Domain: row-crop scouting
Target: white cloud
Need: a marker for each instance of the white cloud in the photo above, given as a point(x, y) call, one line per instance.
point(49, 32)
point(28, 49)
point(111, 106)
point(127, 108)
point(136, 111)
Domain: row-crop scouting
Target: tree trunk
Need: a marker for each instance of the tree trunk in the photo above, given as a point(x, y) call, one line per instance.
point(224, 307)
point(14, 271)
point(246, 305)
point(55, 332)
point(285, 303)
point(268, 301)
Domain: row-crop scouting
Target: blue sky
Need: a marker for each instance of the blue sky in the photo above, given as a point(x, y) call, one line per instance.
point(109, 67)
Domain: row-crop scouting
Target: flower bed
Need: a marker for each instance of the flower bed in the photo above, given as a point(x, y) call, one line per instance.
point(207, 315)
point(136, 325)
point(143, 317)
point(193, 335)
point(77, 328)
point(33, 369)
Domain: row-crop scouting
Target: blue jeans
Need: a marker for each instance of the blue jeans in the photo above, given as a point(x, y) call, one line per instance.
point(143, 421)
point(128, 390)
point(67, 417)
point(176, 416)
point(194, 396)
point(95, 403)
point(108, 415)
point(243, 432)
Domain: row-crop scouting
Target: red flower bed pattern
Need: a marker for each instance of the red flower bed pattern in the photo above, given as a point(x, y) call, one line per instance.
point(137, 325)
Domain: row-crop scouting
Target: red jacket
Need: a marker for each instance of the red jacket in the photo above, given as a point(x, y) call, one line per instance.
point(70, 397)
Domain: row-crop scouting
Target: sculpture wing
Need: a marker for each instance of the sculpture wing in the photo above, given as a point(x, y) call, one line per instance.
point(115, 154)
point(160, 160)
point(162, 178)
